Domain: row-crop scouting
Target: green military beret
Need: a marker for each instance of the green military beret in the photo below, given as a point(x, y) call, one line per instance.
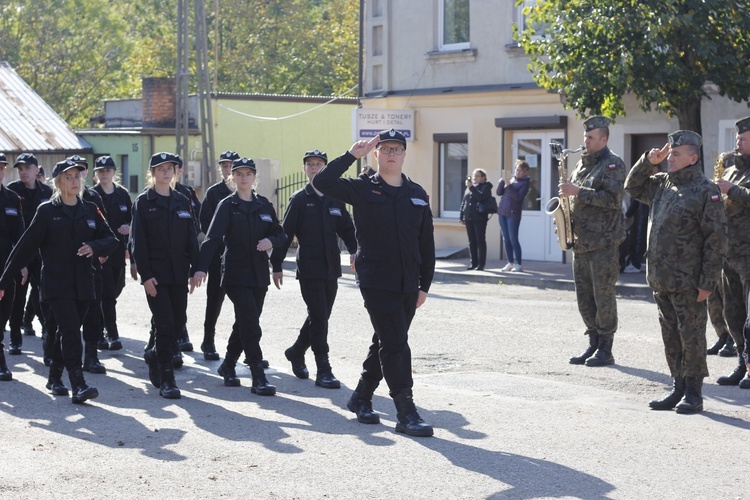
point(685, 138)
point(742, 125)
point(596, 122)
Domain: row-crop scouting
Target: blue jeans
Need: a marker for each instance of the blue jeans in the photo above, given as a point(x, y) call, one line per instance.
point(509, 227)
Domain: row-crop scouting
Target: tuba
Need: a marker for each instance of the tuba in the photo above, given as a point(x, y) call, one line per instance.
point(559, 207)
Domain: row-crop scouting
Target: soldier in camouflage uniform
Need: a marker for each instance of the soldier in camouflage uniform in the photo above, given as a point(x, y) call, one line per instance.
point(596, 191)
point(724, 345)
point(687, 241)
point(735, 186)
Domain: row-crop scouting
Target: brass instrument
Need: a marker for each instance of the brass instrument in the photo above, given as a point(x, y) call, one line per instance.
point(719, 165)
point(559, 207)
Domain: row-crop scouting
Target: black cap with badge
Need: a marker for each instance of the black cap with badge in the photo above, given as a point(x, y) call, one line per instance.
point(161, 158)
point(80, 160)
point(67, 164)
point(228, 156)
point(26, 159)
point(315, 153)
point(243, 163)
point(392, 135)
point(104, 162)
point(3, 159)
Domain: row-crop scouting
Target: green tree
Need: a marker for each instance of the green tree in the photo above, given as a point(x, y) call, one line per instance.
point(662, 51)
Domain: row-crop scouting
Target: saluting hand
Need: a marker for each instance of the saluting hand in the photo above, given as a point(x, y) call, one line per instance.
point(278, 279)
point(656, 155)
point(361, 148)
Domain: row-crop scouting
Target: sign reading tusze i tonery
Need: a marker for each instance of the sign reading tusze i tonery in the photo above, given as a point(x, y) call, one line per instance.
point(368, 122)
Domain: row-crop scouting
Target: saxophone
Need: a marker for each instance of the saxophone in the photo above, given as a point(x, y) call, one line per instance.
point(719, 164)
point(559, 207)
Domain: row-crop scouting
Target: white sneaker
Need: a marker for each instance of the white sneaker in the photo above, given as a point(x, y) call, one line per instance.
point(631, 269)
point(508, 267)
point(517, 268)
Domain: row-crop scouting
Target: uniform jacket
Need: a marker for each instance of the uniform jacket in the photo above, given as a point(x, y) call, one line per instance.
point(240, 225)
point(474, 195)
point(687, 237)
point(596, 213)
point(316, 222)
point(195, 204)
point(214, 195)
point(57, 236)
point(395, 239)
point(163, 239)
point(511, 197)
point(11, 222)
point(737, 205)
point(118, 208)
point(30, 198)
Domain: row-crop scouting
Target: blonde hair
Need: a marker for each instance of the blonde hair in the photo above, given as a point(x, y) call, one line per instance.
point(57, 192)
point(151, 181)
point(480, 172)
point(115, 179)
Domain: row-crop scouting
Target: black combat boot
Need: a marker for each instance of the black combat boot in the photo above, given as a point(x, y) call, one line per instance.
point(208, 347)
point(16, 341)
point(298, 363)
point(168, 388)
point(261, 387)
point(152, 361)
point(177, 360)
point(714, 349)
point(590, 350)
point(409, 421)
point(91, 362)
point(325, 377)
point(361, 402)
point(54, 382)
point(81, 391)
point(113, 338)
point(227, 371)
point(745, 382)
point(603, 355)
point(28, 329)
point(692, 401)
point(728, 350)
point(183, 340)
point(669, 402)
point(102, 343)
point(5, 374)
point(736, 376)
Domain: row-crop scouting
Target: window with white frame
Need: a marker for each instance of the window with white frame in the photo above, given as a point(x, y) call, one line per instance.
point(522, 19)
point(454, 165)
point(453, 22)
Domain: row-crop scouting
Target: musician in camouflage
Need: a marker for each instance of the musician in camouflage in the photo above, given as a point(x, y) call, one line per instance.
point(735, 187)
point(686, 246)
point(596, 191)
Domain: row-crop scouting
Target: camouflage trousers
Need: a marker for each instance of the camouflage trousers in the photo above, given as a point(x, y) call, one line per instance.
point(595, 274)
point(683, 330)
point(736, 287)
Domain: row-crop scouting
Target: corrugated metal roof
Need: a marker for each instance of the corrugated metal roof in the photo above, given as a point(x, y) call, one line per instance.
point(27, 123)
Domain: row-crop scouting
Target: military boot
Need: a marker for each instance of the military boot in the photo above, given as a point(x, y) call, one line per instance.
point(153, 367)
point(361, 402)
point(409, 421)
point(208, 347)
point(298, 363)
point(102, 343)
point(603, 355)
point(714, 349)
point(81, 391)
point(325, 377)
point(590, 350)
point(54, 382)
point(669, 402)
point(728, 350)
point(113, 338)
point(736, 376)
point(261, 387)
point(16, 341)
point(183, 340)
point(177, 360)
point(168, 388)
point(5, 374)
point(692, 401)
point(745, 382)
point(227, 371)
point(91, 362)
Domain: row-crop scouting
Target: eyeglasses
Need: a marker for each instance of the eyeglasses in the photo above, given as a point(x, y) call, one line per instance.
point(392, 151)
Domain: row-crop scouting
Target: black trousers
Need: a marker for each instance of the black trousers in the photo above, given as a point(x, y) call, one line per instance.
point(169, 311)
point(248, 306)
point(113, 282)
point(319, 296)
point(64, 340)
point(19, 300)
point(6, 306)
point(389, 355)
point(476, 231)
point(214, 297)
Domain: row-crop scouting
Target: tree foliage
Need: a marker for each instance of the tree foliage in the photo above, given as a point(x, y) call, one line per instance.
point(661, 51)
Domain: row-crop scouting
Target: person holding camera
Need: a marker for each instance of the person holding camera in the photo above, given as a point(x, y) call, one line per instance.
point(478, 191)
point(512, 194)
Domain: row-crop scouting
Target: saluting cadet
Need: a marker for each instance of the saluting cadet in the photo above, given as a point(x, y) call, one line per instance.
point(214, 292)
point(687, 241)
point(315, 220)
point(247, 226)
point(11, 229)
point(165, 248)
point(32, 194)
point(395, 264)
point(119, 209)
point(68, 233)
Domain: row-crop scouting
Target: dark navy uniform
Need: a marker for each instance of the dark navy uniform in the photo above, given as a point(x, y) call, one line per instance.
point(11, 229)
point(195, 203)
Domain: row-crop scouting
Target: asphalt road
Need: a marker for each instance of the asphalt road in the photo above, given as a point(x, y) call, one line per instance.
point(512, 418)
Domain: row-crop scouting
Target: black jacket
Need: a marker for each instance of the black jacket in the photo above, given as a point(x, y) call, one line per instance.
point(163, 238)
point(195, 204)
point(30, 198)
point(474, 195)
point(240, 225)
point(11, 222)
point(57, 232)
point(214, 195)
point(316, 222)
point(396, 243)
point(118, 208)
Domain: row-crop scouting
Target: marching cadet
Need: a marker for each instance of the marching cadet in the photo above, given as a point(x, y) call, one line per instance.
point(214, 292)
point(68, 233)
point(119, 209)
point(687, 242)
point(596, 191)
point(395, 263)
point(316, 220)
point(735, 186)
point(32, 194)
point(165, 249)
point(247, 226)
point(11, 229)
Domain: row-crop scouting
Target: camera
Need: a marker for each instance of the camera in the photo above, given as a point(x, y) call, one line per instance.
point(468, 177)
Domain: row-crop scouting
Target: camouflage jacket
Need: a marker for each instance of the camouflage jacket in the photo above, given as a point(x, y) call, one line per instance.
point(596, 213)
point(737, 204)
point(687, 236)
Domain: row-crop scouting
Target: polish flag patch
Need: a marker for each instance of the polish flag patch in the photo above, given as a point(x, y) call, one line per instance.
point(715, 197)
point(612, 166)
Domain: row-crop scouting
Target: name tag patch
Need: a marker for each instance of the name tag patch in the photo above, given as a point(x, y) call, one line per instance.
point(11, 211)
point(266, 218)
point(183, 214)
point(91, 223)
point(335, 211)
point(123, 208)
point(418, 202)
